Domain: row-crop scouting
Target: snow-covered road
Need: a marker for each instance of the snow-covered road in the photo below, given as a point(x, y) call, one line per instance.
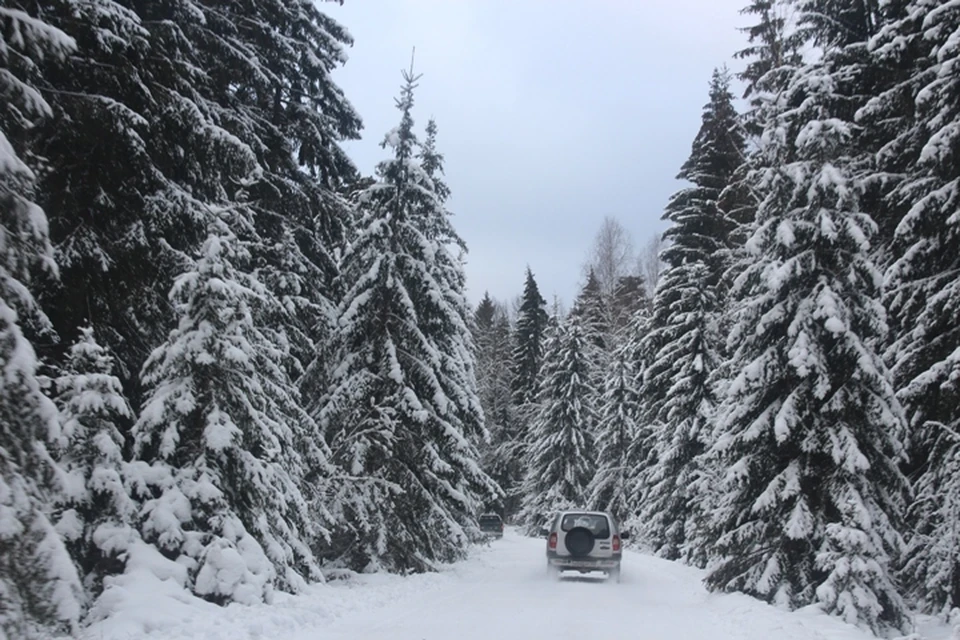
point(505, 593)
point(500, 592)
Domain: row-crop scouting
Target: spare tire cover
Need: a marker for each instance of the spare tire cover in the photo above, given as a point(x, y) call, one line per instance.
point(579, 542)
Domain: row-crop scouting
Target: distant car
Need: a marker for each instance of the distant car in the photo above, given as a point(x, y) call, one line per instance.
point(492, 525)
point(584, 541)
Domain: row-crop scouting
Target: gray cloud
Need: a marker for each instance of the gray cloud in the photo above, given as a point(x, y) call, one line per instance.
point(551, 114)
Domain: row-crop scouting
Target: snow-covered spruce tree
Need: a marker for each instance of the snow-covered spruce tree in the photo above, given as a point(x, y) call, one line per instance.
point(272, 83)
point(394, 419)
point(616, 431)
point(923, 291)
point(502, 456)
point(771, 55)
point(450, 332)
point(530, 334)
point(773, 45)
point(629, 298)
point(685, 344)
point(100, 180)
point(809, 431)
point(897, 60)
point(530, 337)
point(39, 587)
point(591, 308)
point(222, 443)
point(95, 510)
point(561, 455)
point(682, 422)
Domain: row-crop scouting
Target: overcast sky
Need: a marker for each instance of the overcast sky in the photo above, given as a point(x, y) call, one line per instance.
point(551, 113)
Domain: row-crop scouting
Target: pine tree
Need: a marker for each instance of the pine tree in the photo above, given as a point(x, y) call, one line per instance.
point(682, 422)
point(809, 432)
point(561, 454)
point(226, 440)
point(397, 419)
point(96, 510)
point(39, 587)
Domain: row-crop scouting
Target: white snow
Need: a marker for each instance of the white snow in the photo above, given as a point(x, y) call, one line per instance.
point(501, 591)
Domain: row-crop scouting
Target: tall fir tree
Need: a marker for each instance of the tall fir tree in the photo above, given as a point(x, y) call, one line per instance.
point(223, 443)
point(684, 341)
point(772, 45)
point(175, 107)
point(503, 455)
point(592, 309)
point(451, 334)
point(923, 288)
point(397, 418)
point(561, 454)
point(617, 412)
point(532, 323)
point(809, 434)
point(40, 590)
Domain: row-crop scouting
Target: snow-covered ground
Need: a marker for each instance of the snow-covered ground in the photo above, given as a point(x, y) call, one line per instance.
point(501, 591)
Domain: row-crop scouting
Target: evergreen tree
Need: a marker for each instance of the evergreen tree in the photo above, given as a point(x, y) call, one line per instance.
point(684, 343)
point(682, 421)
point(809, 432)
point(699, 227)
point(532, 322)
point(561, 455)
point(226, 441)
point(502, 456)
point(592, 310)
point(175, 107)
point(451, 335)
point(397, 419)
point(629, 298)
point(616, 432)
point(772, 46)
point(39, 587)
point(96, 508)
point(923, 288)
point(273, 83)
point(134, 158)
point(772, 54)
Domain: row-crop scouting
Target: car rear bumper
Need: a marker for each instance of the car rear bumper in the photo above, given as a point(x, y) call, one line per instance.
point(596, 564)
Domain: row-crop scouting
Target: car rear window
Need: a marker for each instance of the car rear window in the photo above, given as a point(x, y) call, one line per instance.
point(489, 519)
point(598, 525)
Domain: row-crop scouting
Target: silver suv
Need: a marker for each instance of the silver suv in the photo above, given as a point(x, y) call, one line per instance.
point(584, 541)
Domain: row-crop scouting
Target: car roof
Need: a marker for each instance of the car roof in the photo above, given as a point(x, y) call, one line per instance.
point(580, 512)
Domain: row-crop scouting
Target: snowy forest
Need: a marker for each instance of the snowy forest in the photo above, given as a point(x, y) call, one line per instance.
point(234, 365)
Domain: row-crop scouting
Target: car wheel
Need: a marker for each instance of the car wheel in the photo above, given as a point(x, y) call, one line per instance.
point(553, 572)
point(614, 575)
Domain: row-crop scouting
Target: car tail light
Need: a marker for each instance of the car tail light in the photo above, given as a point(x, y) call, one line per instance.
point(616, 543)
point(552, 543)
